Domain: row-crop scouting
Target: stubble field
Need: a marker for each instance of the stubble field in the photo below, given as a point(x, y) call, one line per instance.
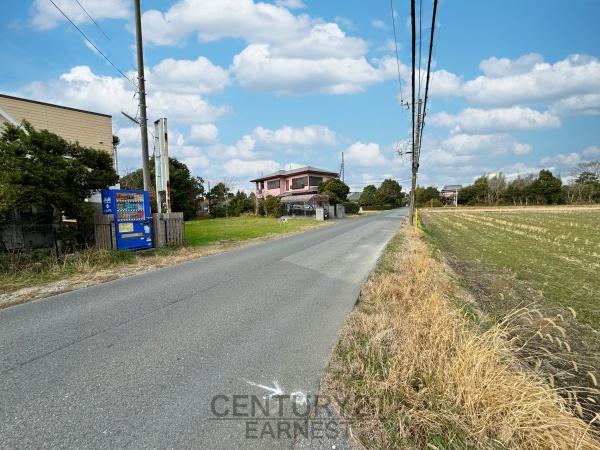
point(556, 250)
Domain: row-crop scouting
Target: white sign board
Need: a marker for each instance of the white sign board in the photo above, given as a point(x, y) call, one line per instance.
point(161, 155)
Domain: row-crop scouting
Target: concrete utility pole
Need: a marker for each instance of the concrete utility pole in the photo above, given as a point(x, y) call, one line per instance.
point(142, 94)
point(416, 150)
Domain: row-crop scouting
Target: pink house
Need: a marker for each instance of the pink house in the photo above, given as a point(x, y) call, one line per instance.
point(284, 183)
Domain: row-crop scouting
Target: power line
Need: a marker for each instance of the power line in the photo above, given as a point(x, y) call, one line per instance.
point(92, 19)
point(396, 46)
point(420, 44)
point(92, 44)
point(435, 3)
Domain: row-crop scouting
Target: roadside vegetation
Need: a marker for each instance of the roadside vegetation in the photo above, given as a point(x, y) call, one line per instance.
point(424, 367)
point(204, 237)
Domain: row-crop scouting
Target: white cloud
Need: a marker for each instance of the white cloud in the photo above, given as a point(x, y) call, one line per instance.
point(325, 40)
point(364, 155)
point(188, 77)
point(206, 133)
point(528, 80)
point(491, 143)
point(258, 69)
point(239, 167)
point(217, 19)
point(591, 151)
point(567, 160)
point(286, 53)
point(291, 4)
point(474, 120)
point(378, 23)
point(577, 105)
point(46, 16)
point(312, 135)
point(81, 88)
point(502, 67)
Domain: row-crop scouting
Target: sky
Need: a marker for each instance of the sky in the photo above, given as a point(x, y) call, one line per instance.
point(252, 87)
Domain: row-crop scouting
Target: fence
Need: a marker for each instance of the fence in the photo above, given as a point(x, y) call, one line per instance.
point(104, 229)
point(167, 230)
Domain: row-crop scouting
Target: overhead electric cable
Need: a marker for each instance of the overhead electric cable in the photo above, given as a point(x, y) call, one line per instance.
point(396, 46)
point(420, 44)
point(435, 3)
point(412, 19)
point(92, 19)
point(93, 45)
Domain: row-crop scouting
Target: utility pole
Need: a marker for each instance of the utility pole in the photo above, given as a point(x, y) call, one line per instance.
point(416, 150)
point(142, 94)
point(342, 168)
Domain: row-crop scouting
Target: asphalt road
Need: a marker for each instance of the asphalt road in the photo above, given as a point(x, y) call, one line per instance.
point(137, 362)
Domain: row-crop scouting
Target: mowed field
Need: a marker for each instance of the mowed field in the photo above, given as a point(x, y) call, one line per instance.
point(555, 249)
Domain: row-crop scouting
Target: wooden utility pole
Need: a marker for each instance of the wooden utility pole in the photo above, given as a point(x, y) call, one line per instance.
point(142, 94)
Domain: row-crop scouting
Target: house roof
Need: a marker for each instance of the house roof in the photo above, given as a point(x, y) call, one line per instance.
point(303, 198)
point(12, 97)
point(299, 170)
point(452, 187)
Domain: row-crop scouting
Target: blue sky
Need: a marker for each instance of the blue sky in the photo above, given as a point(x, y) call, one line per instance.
point(250, 87)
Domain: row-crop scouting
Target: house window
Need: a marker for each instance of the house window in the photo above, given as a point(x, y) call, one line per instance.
point(316, 181)
point(299, 183)
point(273, 184)
point(287, 185)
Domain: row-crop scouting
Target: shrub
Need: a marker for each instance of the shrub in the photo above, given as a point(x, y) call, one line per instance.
point(351, 207)
point(271, 206)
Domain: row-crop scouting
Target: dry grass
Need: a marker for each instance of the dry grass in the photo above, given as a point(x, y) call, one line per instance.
point(422, 374)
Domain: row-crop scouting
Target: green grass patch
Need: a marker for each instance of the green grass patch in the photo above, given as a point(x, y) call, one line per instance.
point(234, 229)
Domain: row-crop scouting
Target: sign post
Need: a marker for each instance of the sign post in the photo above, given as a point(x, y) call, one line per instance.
point(161, 164)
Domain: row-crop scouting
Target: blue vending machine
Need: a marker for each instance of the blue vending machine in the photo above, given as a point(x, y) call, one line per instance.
point(133, 218)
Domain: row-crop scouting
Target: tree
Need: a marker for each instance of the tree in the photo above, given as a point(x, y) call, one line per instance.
point(517, 192)
point(425, 195)
point(391, 192)
point(586, 186)
point(240, 204)
point(547, 189)
point(218, 198)
point(271, 206)
point(335, 189)
point(370, 196)
point(43, 175)
point(186, 190)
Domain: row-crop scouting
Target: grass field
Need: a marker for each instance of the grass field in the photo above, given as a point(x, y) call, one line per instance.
point(232, 229)
point(557, 250)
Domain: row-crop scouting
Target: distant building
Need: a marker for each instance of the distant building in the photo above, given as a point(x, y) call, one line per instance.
point(283, 183)
point(450, 192)
point(90, 129)
point(297, 188)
